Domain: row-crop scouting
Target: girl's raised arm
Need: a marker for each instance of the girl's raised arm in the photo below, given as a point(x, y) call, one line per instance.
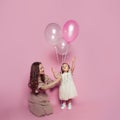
point(73, 64)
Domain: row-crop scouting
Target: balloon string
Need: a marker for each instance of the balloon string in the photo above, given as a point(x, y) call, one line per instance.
point(69, 55)
point(57, 55)
point(65, 54)
point(62, 58)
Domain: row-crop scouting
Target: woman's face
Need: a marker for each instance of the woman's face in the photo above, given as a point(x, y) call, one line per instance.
point(41, 69)
point(65, 67)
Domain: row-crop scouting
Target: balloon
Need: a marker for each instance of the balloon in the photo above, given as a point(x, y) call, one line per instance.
point(62, 47)
point(70, 30)
point(53, 33)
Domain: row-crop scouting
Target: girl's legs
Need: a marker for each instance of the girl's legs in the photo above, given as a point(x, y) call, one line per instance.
point(63, 105)
point(69, 102)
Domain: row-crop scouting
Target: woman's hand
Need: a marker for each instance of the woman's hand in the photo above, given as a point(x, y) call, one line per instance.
point(58, 76)
point(52, 69)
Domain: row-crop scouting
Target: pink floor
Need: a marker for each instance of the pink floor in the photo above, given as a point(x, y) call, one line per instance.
point(85, 110)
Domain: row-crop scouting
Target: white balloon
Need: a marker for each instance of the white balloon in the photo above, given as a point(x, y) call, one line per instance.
point(62, 47)
point(53, 33)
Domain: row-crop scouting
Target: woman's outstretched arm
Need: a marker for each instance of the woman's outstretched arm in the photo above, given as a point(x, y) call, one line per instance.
point(52, 84)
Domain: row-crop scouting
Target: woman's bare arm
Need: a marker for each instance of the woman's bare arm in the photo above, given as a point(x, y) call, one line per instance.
point(52, 84)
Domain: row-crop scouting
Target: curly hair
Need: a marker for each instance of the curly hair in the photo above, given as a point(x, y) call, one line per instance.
point(34, 75)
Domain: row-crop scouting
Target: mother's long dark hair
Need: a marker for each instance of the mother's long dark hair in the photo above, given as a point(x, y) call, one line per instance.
point(34, 75)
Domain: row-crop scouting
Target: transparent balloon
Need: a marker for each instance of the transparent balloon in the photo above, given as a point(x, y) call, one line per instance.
point(62, 47)
point(53, 33)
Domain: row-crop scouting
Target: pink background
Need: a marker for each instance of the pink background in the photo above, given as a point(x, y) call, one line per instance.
point(97, 49)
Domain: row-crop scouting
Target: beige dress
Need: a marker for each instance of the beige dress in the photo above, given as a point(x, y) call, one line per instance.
point(67, 89)
point(39, 104)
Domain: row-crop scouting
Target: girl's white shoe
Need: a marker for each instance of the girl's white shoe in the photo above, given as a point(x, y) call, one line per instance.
point(69, 106)
point(63, 106)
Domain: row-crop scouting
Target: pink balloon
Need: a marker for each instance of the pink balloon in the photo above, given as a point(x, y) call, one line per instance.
point(70, 30)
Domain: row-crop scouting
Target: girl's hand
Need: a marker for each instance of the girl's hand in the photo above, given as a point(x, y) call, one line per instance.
point(74, 58)
point(73, 64)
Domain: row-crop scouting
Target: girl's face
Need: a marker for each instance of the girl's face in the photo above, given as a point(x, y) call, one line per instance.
point(65, 67)
point(41, 69)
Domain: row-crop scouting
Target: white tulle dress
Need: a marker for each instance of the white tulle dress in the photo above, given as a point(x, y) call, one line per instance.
point(67, 89)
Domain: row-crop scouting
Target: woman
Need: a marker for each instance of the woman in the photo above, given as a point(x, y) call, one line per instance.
point(39, 103)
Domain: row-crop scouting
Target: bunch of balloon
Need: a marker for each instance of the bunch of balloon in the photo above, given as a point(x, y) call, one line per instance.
point(70, 32)
point(61, 39)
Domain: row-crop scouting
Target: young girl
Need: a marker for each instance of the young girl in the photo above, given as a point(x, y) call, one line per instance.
point(67, 89)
